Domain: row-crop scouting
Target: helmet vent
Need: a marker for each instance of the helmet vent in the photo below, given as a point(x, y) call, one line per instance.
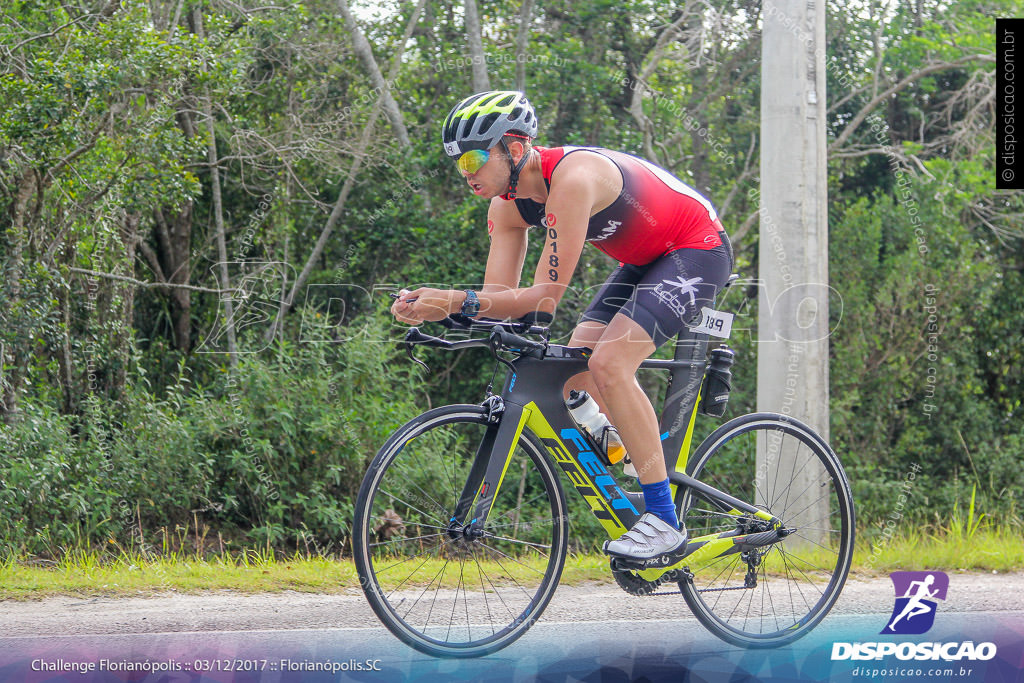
point(487, 122)
point(449, 130)
point(479, 121)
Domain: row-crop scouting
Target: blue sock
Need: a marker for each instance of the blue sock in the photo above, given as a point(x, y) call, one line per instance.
point(658, 501)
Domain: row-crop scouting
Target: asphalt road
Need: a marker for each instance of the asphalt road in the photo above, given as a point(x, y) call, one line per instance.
point(227, 611)
point(587, 631)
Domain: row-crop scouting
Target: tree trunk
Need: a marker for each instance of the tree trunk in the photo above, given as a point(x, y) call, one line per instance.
point(218, 208)
point(65, 363)
point(365, 53)
point(476, 47)
point(339, 205)
point(13, 373)
point(123, 294)
point(653, 58)
point(174, 243)
point(523, 43)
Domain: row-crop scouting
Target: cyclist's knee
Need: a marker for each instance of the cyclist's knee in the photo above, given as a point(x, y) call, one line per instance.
point(609, 368)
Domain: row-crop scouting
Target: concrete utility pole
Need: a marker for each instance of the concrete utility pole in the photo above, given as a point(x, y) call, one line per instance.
point(792, 362)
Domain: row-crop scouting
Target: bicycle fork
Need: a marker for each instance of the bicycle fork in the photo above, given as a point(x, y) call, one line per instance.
point(493, 455)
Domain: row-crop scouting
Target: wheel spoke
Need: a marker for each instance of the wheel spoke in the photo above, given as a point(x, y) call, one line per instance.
point(516, 540)
point(440, 573)
point(411, 557)
point(509, 573)
point(809, 579)
point(403, 540)
point(819, 482)
point(508, 513)
point(790, 584)
point(498, 593)
point(411, 574)
point(771, 602)
point(483, 591)
point(790, 554)
point(422, 582)
point(796, 515)
point(412, 507)
point(810, 540)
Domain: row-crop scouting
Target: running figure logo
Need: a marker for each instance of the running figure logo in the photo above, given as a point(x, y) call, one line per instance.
point(914, 612)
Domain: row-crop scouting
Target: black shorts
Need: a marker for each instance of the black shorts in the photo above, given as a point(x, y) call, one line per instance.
point(667, 294)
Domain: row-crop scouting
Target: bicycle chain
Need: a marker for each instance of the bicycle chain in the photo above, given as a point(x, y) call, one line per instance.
point(634, 585)
point(702, 590)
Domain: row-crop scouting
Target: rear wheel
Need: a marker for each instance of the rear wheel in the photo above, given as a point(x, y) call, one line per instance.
point(441, 591)
point(774, 594)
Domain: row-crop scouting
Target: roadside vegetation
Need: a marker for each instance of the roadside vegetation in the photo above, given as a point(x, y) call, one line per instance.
point(122, 573)
point(150, 441)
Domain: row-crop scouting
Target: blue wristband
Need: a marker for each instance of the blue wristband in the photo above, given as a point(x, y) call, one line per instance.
point(471, 306)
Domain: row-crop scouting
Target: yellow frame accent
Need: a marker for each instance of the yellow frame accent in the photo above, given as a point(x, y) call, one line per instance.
point(580, 479)
point(508, 458)
point(538, 424)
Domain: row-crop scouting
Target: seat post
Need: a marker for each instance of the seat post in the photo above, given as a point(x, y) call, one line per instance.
point(681, 396)
point(683, 387)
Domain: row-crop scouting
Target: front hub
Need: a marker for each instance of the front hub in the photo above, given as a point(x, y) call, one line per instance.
point(464, 532)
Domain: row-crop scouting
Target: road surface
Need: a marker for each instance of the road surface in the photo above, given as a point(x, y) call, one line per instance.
point(587, 631)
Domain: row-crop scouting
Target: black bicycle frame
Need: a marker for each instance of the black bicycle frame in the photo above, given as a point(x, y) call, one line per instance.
point(532, 397)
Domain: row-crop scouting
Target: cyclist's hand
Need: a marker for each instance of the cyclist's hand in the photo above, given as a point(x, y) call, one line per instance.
point(402, 309)
point(432, 304)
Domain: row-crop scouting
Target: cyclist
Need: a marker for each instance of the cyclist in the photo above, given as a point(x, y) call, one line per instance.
point(673, 254)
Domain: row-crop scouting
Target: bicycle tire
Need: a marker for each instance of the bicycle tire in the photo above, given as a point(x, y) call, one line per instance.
point(727, 461)
point(517, 563)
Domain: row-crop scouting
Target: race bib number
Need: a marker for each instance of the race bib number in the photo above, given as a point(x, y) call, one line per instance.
point(714, 323)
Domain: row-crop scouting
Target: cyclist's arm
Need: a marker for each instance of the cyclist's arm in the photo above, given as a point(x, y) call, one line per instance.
point(578, 185)
point(568, 212)
point(508, 234)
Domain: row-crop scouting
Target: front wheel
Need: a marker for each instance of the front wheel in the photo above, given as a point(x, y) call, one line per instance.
point(448, 593)
point(770, 595)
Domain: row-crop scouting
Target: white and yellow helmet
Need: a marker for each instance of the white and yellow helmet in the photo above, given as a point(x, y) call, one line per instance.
point(480, 121)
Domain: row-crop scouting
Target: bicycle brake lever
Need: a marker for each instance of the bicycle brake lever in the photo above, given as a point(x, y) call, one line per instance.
point(412, 356)
point(495, 344)
point(409, 346)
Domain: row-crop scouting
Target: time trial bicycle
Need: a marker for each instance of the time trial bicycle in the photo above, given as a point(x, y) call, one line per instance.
point(461, 524)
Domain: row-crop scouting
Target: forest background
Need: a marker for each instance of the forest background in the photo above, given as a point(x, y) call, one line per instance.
point(204, 202)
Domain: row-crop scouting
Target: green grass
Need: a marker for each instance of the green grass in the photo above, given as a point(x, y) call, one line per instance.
point(87, 574)
point(971, 548)
point(985, 549)
point(84, 574)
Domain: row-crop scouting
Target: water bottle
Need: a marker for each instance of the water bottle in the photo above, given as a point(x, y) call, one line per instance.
point(717, 382)
point(585, 411)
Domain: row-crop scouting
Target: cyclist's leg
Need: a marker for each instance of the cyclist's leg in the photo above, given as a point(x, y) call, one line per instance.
point(669, 296)
point(587, 333)
point(615, 291)
point(613, 366)
point(624, 345)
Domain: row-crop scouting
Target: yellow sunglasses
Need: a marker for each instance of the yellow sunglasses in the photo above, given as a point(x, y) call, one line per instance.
point(473, 160)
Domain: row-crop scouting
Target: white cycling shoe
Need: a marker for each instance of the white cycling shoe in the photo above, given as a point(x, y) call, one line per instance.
point(650, 537)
